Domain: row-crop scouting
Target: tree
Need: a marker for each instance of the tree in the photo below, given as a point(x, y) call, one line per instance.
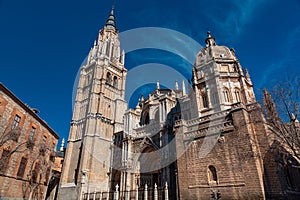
point(39, 173)
point(282, 110)
point(40, 165)
point(9, 141)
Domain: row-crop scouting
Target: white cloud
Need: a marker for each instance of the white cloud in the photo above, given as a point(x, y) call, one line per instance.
point(233, 19)
point(285, 65)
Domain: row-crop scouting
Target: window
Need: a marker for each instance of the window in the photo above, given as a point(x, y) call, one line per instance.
point(147, 119)
point(108, 78)
point(237, 96)
point(16, 121)
point(53, 147)
point(107, 47)
point(115, 81)
point(22, 167)
point(36, 171)
point(4, 160)
point(31, 134)
point(44, 142)
point(226, 95)
point(205, 100)
point(212, 174)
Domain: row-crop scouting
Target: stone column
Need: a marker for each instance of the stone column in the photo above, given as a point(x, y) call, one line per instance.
point(137, 193)
point(166, 192)
point(155, 192)
point(100, 196)
point(107, 196)
point(94, 196)
point(146, 192)
point(116, 193)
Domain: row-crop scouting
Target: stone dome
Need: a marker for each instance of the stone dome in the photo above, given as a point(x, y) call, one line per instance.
point(213, 51)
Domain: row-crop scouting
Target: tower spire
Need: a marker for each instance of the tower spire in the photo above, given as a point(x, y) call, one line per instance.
point(210, 41)
point(111, 22)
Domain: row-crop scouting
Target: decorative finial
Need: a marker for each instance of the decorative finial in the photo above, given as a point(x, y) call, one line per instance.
point(112, 9)
point(157, 85)
point(176, 85)
point(247, 74)
point(62, 144)
point(208, 34)
point(142, 98)
point(183, 88)
point(210, 41)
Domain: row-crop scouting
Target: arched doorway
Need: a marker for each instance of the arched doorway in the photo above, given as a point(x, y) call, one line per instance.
point(149, 167)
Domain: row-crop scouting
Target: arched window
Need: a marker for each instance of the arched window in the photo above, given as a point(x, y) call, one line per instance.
point(22, 167)
point(115, 84)
point(35, 172)
point(108, 78)
point(147, 119)
point(226, 95)
point(212, 174)
point(5, 160)
point(205, 100)
point(237, 95)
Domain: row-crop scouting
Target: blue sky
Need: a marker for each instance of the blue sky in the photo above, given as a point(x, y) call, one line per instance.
point(43, 43)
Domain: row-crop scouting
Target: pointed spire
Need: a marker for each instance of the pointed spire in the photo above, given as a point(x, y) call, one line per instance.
point(210, 41)
point(111, 22)
point(62, 145)
point(247, 74)
point(176, 85)
point(123, 57)
point(183, 88)
point(269, 105)
point(294, 118)
point(157, 85)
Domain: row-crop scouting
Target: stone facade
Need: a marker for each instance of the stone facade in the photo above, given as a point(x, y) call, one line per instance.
point(52, 190)
point(98, 113)
point(27, 144)
point(210, 137)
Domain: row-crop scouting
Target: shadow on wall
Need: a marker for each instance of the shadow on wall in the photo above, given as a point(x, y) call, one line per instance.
point(281, 173)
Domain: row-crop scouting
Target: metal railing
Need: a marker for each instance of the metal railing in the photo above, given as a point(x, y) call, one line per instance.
point(145, 193)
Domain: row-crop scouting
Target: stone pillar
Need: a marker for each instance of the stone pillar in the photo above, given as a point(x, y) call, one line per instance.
point(155, 192)
point(107, 197)
point(116, 193)
point(160, 113)
point(166, 192)
point(146, 192)
point(137, 193)
point(94, 196)
point(127, 195)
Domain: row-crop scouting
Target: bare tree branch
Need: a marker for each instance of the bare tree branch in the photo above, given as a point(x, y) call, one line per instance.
point(284, 130)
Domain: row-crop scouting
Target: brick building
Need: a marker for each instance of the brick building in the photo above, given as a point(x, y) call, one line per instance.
point(27, 144)
point(212, 136)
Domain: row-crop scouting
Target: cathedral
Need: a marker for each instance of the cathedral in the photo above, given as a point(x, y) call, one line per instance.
point(207, 137)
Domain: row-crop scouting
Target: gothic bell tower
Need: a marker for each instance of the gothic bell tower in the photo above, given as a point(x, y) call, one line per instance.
point(97, 115)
